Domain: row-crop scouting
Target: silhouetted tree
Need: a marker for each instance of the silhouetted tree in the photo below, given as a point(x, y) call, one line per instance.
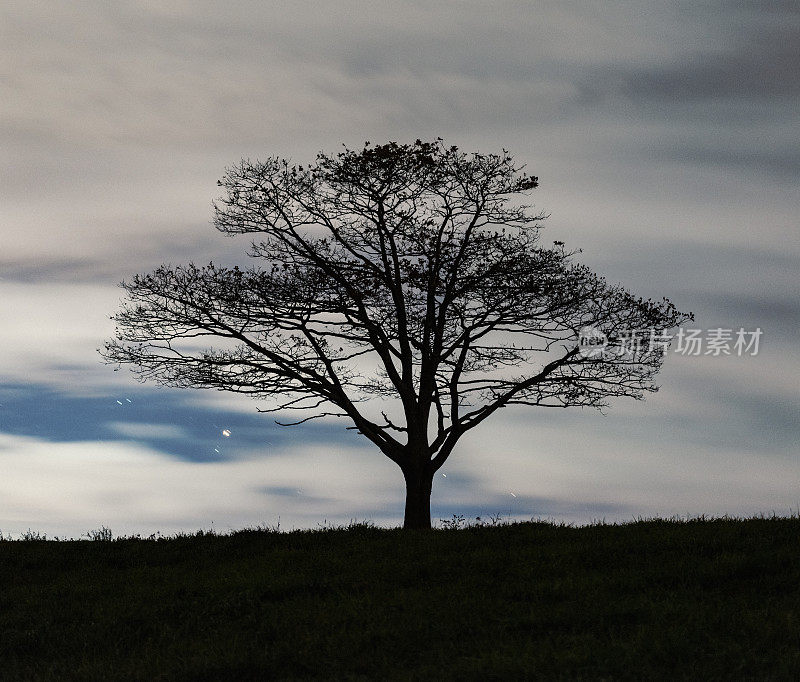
point(399, 272)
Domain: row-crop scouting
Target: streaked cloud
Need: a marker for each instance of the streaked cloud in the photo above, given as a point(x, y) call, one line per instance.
point(665, 138)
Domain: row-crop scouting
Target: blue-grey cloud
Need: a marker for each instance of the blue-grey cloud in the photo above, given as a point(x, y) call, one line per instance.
point(153, 415)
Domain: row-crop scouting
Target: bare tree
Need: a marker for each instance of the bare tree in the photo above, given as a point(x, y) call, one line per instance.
point(399, 275)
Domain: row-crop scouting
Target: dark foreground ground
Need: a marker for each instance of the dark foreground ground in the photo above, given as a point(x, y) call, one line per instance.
point(701, 600)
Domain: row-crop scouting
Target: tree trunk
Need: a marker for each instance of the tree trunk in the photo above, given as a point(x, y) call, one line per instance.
point(418, 499)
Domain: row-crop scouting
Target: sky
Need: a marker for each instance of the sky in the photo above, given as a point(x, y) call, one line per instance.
point(666, 140)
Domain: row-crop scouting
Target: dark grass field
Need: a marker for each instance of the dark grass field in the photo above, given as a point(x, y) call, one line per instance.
point(701, 600)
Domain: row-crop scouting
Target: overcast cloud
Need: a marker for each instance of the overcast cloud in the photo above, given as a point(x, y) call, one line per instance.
point(665, 137)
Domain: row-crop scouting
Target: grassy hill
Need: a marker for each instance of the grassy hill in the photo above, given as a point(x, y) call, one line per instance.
point(702, 599)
